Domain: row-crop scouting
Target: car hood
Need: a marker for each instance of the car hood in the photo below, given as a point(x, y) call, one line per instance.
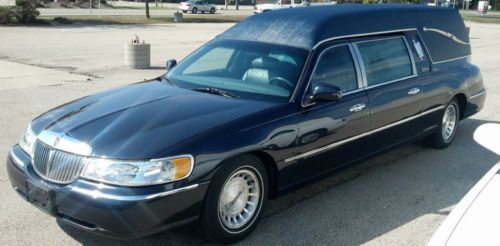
point(139, 121)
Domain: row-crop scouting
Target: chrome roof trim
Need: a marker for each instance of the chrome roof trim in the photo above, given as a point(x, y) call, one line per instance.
point(452, 59)
point(446, 34)
point(358, 35)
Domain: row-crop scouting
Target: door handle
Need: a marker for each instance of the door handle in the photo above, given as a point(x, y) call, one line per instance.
point(357, 107)
point(413, 91)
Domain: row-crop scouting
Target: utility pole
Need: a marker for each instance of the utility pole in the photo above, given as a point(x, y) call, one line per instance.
point(147, 9)
point(237, 4)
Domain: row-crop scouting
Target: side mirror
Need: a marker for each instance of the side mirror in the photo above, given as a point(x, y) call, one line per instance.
point(326, 92)
point(170, 64)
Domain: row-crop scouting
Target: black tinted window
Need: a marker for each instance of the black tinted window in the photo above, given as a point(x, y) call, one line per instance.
point(385, 60)
point(336, 67)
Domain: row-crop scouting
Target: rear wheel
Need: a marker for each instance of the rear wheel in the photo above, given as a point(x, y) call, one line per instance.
point(212, 10)
point(448, 127)
point(235, 200)
point(194, 10)
point(184, 11)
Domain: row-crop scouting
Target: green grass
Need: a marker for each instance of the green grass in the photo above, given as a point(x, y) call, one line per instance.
point(123, 20)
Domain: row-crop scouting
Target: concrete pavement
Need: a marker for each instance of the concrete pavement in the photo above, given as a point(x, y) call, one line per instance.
point(399, 198)
point(33, 76)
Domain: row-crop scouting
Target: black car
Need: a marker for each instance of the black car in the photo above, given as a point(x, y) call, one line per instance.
point(278, 100)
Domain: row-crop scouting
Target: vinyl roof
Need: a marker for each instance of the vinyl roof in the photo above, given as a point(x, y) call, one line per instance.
point(307, 26)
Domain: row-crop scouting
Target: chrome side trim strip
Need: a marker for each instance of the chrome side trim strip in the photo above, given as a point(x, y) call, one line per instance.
point(333, 145)
point(452, 59)
point(96, 194)
point(446, 34)
point(477, 95)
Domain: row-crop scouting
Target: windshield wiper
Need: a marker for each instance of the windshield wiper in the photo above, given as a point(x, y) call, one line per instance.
point(214, 91)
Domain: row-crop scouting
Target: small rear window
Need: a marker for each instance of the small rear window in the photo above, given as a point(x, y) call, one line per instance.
point(385, 60)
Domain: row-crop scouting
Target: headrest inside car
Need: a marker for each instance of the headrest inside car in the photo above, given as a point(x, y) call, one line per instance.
point(265, 62)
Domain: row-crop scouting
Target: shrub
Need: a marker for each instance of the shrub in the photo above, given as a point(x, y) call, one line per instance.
point(25, 11)
point(63, 20)
point(6, 15)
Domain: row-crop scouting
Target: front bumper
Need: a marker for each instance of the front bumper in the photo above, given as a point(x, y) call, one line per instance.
point(117, 212)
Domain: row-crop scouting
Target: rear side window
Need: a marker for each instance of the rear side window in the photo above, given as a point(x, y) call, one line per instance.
point(385, 60)
point(336, 67)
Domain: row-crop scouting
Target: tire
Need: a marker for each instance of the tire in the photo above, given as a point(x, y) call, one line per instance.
point(445, 135)
point(184, 11)
point(194, 10)
point(212, 11)
point(229, 222)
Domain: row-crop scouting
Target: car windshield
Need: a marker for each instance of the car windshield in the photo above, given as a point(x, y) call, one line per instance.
point(245, 69)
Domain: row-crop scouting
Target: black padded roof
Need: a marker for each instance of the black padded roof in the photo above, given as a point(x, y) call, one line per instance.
point(307, 26)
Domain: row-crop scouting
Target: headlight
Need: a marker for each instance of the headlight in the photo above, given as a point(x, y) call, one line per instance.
point(139, 173)
point(27, 142)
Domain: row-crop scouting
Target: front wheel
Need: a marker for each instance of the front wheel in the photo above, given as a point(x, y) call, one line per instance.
point(212, 10)
point(194, 10)
point(184, 11)
point(448, 127)
point(235, 200)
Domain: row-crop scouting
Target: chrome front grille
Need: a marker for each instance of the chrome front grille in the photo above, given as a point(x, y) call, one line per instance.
point(57, 166)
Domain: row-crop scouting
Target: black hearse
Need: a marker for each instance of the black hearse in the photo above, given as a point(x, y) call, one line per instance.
point(277, 100)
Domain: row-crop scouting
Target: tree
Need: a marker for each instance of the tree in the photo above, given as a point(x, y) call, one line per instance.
point(147, 9)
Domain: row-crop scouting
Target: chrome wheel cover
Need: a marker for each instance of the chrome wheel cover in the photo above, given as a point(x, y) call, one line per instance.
point(239, 198)
point(449, 122)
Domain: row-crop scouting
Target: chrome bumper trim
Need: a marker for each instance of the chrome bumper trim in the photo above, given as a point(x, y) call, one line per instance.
point(96, 194)
point(16, 159)
point(477, 95)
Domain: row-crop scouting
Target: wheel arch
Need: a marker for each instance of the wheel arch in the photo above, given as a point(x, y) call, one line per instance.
point(272, 171)
point(462, 103)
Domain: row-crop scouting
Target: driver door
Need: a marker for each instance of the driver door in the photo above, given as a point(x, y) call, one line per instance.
point(329, 131)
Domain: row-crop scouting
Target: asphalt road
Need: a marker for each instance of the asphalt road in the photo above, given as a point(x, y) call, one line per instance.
point(398, 198)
